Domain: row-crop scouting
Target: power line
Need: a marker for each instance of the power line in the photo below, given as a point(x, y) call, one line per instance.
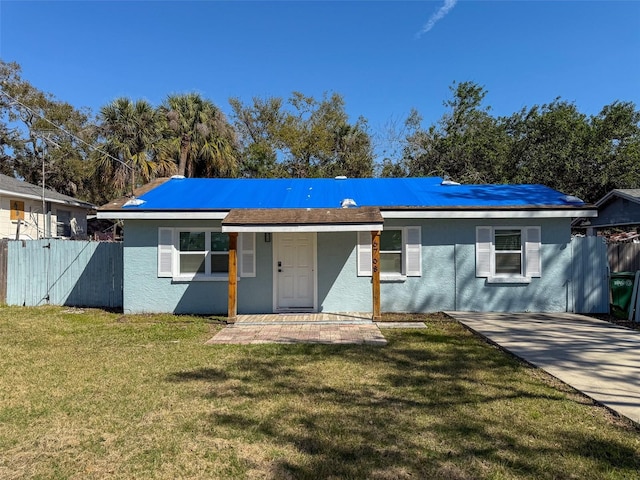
point(66, 132)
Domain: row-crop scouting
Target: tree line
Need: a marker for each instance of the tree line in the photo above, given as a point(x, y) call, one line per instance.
point(130, 142)
point(552, 144)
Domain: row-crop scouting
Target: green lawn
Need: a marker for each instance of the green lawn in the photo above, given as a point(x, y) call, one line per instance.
point(93, 395)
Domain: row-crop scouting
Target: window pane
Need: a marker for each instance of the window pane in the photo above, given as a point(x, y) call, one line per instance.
point(391, 263)
point(192, 263)
point(192, 241)
point(219, 242)
point(63, 226)
point(509, 263)
point(508, 240)
point(220, 263)
point(391, 240)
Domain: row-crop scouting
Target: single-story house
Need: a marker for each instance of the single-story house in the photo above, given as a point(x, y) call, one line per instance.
point(620, 208)
point(21, 212)
point(345, 245)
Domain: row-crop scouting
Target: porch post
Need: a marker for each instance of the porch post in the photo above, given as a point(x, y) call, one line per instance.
point(375, 269)
point(232, 309)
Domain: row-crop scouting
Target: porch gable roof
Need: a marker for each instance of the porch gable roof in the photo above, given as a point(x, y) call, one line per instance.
point(300, 219)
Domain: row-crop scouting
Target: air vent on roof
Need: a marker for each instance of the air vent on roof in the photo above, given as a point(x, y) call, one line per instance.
point(572, 199)
point(134, 202)
point(348, 203)
point(448, 181)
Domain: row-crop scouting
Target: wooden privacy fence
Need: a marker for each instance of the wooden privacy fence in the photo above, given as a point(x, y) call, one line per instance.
point(624, 257)
point(64, 272)
point(589, 275)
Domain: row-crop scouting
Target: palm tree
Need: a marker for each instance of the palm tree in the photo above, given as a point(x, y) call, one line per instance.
point(130, 131)
point(198, 136)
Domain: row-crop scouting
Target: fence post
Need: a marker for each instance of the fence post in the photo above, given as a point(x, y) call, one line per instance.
point(4, 253)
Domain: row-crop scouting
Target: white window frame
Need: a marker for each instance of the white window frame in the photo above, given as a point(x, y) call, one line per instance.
point(530, 259)
point(169, 255)
point(217, 253)
point(207, 253)
point(519, 252)
point(403, 258)
point(411, 252)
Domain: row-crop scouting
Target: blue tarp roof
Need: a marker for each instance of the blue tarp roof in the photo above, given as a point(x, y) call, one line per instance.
point(424, 192)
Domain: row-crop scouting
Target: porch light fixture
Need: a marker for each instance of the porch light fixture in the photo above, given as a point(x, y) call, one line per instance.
point(267, 237)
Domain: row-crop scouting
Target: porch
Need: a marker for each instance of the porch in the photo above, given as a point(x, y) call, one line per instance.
point(322, 328)
point(318, 328)
point(293, 234)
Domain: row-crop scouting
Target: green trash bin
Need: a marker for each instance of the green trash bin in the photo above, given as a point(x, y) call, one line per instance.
point(621, 292)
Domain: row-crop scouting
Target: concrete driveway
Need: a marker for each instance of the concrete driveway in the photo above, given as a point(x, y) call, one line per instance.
point(595, 357)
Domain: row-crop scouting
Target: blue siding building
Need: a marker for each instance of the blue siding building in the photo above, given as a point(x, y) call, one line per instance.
point(330, 245)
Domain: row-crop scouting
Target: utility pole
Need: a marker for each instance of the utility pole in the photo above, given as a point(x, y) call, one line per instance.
point(44, 203)
point(46, 138)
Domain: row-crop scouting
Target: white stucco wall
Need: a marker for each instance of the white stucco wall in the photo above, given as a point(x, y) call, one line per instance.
point(34, 225)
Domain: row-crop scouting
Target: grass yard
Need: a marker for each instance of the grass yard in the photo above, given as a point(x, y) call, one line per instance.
point(94, 395)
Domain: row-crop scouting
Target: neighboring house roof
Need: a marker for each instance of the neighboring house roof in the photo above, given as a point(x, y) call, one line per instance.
point(11, 186)
point(631, 194)
point(618, 208)
point(177, 196)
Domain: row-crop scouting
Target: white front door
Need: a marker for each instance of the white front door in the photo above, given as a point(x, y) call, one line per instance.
point(294, 271)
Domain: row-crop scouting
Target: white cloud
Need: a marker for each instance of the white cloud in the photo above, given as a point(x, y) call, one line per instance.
point(439, 15)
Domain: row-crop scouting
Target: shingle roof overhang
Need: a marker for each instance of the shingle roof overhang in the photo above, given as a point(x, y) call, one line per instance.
point(13, 188)
point(550, 211)
point(303, 220)
point(631, 194)
point(118, 203)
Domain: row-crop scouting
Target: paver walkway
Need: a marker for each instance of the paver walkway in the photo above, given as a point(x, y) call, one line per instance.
point(345, 318)
point(595, 357)
point(367, 334)
point(323, 327)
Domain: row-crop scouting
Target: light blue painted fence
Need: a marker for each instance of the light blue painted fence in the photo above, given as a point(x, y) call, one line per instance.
point(590, 275)
point(64, 272)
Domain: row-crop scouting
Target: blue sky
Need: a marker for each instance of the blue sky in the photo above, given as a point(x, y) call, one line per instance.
point(384, 58)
